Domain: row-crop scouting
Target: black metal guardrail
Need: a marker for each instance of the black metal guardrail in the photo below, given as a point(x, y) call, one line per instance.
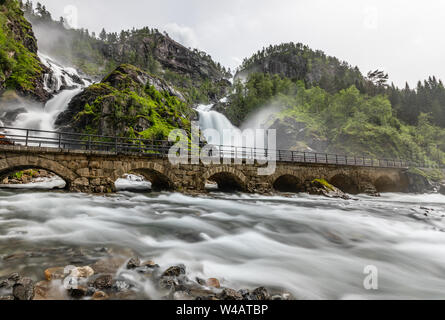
point(88, 142)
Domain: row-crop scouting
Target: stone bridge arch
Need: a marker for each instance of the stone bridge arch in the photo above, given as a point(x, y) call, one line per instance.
point(384, 183)
point(345, 181)
point(227, 177)
point(286, 180)
point(14, 164)
point(157, 174)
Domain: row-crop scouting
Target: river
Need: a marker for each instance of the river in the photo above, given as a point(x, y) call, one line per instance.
point(312, 247)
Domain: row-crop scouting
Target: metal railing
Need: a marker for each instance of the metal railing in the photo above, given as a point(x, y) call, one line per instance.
point(144, 147)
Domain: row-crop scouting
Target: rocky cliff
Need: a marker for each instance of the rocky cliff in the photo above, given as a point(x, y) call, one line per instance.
point(20, 68)
point(130, 103)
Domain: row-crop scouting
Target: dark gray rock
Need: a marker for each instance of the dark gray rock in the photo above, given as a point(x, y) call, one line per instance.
point(260, 293)
point(103, 282)
point(230, 294)
point(23, 289)
point(174, 271)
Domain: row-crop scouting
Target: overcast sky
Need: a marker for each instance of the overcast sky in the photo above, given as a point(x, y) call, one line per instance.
point(405, 38)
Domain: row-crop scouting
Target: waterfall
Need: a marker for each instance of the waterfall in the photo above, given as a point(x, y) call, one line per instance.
point(64, 83)
point(213, 120)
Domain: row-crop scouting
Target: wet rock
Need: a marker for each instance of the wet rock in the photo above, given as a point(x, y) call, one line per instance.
point(121, 286)
point(91, 291)
point(78, 292)
point(14, 277)
point(213, 282)
point(103, 282)
point(260, 293)
point(23, 289)
point(174, 271)
point(230, 294)
point(133, 263)
point(55, 273)
point(100, 295)
point(82, 272)
point(322, 188)
point(168, 283)
point(245, 293)
point(200, 281)
point(149, 264)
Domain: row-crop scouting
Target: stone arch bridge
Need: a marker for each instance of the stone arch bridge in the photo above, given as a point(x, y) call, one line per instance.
point(96, 172)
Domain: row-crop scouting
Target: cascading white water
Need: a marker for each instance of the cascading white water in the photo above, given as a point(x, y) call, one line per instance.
point(60, 77)
point(213, 120)
point(43, 119)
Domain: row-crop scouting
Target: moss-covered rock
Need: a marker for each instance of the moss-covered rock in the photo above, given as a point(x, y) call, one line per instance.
point(323, 188)
point(129, 103)
point(20, 67)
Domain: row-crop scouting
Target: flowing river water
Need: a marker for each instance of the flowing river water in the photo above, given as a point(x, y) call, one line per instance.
point(312, 247)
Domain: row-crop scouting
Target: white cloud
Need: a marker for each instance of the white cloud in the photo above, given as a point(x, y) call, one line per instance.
point(183, 34)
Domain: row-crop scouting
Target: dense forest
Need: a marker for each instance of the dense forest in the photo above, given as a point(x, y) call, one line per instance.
point(324, 104)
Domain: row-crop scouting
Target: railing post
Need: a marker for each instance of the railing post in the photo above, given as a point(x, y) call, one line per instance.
point(60, 140)
point(89, 142)
point(336, 159)
point(304, 157)
point(27, 136)
point(327, 161)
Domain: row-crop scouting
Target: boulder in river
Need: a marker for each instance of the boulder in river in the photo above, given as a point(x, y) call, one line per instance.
point(103, 282)
point(133, 263)
point(230, 294)
point(55, 273)
point(174, 271)
point(323, 188)
point(23, 289)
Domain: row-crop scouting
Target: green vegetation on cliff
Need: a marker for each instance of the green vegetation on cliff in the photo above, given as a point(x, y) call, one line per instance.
point(20, 68)
point(128, 103)
point(344, 122)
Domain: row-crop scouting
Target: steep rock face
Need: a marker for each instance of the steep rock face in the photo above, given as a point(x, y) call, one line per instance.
point(183, 67)
point(20, 67)
point(169, 53)
point(129, 103)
